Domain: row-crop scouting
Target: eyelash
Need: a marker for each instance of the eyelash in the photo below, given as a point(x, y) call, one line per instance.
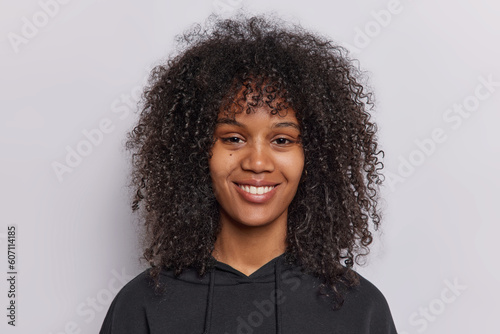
point(288, 141)
point(230, 140)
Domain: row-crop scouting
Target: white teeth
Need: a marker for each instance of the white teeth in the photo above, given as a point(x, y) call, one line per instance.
point(256, 190)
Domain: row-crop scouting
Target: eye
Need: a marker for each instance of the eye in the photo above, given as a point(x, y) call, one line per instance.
point(283, 141)
point(232, 140)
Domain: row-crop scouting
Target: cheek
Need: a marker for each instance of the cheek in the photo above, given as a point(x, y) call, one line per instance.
point(301, 161)
point(293, 166)
point(220, 166)
point(215, 172)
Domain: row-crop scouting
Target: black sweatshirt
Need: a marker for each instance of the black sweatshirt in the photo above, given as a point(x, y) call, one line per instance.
point(274, 299)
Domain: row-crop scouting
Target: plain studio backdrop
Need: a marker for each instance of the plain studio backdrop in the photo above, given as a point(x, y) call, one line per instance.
point(71, 72)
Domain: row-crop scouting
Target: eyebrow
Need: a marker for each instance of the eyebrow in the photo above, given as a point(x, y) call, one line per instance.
point(275, 125)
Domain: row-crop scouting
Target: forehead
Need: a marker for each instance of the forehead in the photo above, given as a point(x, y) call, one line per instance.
point(260, 119)
point(259, 115)
point(255, 94)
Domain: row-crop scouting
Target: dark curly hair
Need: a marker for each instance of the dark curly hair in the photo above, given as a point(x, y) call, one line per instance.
point(330, 218)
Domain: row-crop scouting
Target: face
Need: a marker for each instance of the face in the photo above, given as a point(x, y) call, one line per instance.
point(256, 165)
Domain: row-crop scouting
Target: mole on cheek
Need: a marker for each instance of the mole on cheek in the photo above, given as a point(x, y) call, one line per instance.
point(231, 155)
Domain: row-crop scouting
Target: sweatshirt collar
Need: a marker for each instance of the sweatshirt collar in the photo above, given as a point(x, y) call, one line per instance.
point(265, 271)
point(269, 271)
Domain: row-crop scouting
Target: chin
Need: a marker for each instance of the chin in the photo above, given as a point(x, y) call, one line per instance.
point(257, 220)
point(255, 223)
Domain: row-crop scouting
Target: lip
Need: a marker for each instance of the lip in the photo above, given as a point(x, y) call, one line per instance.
point(256, 198)
point(257, 183)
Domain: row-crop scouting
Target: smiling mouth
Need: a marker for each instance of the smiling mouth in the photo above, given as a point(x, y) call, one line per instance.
point(256, 190)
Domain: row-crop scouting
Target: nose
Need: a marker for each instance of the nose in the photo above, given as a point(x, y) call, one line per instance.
point(258, 158)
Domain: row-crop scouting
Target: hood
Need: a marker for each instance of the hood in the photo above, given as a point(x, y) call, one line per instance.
point(224, 274)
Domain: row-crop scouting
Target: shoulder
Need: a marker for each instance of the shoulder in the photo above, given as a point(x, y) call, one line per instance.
point(141, 281)
point(367, 291)
point(127, 312)
point(366, 301)
point(136, 290)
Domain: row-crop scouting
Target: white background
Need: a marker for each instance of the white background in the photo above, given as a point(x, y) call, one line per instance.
point(80, 67)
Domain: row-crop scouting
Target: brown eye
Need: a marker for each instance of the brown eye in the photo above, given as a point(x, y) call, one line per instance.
point(232, 140)
point(283, 141)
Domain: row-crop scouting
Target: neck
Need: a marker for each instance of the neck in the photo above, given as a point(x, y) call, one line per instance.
point(247, 248)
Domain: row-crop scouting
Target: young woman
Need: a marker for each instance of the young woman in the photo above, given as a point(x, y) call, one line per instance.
point(256, 171)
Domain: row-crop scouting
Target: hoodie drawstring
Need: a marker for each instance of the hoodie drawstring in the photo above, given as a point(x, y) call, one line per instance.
point(277, 285)
point(208, 315)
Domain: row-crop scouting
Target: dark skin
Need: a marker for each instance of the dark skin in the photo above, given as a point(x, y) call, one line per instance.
point(265, 150)
point(328, 221)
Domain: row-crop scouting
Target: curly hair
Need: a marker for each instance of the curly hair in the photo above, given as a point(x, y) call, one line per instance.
point(331, 216)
